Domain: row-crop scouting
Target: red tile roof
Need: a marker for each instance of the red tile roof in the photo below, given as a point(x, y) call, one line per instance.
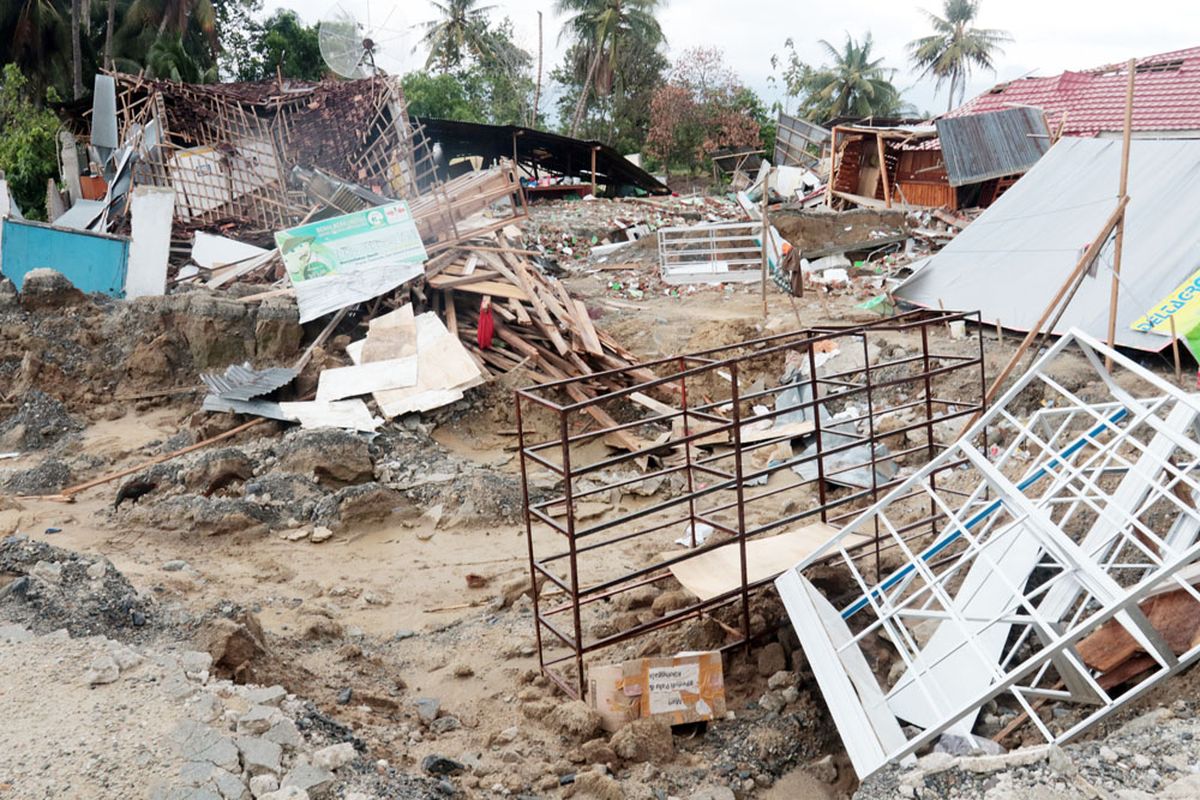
point(1166, 96)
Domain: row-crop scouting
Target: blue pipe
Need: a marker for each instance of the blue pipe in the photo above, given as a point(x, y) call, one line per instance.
point(939, 546)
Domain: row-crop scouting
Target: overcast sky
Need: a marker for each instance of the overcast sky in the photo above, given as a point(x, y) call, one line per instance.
point(1049, 35)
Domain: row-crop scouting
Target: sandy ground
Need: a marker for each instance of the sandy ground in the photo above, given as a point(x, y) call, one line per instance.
point(407, 624)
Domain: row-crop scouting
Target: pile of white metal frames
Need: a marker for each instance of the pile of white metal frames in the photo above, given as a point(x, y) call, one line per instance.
point(1088, 510)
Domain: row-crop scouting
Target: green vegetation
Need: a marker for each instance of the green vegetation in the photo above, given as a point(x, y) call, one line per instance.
point(607, 35)
point(851, 84)
point(28, 147)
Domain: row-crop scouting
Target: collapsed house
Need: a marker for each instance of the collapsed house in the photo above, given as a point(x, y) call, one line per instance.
point(1035, 581)
point(956, 163)
point(1028, 243)
point(553, 165)
point(972, 155)
point(353, 206)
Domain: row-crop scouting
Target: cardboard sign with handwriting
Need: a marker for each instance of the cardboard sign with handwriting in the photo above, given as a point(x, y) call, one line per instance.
point(684, 688)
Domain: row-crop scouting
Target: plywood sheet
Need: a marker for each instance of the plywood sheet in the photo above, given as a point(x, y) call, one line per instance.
point(444, 370)
point(393, 335)
point(719, 571)
point(350, 414)
point(361, 379)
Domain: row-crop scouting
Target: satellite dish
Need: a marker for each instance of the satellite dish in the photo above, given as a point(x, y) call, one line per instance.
point(356, 43)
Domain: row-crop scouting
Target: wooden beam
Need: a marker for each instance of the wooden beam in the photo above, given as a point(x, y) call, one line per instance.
point(1124, 194)
point(887, 187)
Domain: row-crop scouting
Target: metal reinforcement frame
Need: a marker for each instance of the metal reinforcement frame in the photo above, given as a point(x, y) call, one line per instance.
point(742, 442)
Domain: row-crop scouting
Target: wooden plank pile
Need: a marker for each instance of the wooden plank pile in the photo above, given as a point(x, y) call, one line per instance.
point(537, 324)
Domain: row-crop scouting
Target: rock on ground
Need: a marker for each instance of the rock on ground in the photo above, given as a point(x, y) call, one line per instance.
point(648, 739)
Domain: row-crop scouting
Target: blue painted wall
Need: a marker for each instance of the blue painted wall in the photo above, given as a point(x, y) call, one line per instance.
point(92, 262)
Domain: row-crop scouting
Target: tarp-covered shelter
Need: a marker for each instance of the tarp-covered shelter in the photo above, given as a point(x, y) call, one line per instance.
point(1011, 260)
point(539, 154)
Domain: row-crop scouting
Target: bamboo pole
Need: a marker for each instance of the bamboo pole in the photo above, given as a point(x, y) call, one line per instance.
point(766, 235)
point(1175, 351)
point(537, 91)
point(1124, 194)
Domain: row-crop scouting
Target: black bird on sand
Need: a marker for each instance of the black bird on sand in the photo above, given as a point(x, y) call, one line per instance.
point(133, 492)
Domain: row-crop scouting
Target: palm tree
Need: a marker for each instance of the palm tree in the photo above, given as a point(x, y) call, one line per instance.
point(603, 29)
point(955, 47)
point(168, 59)
point(174, 16)
point(854, 85)
point(76, 51)
point(108, 33)
point(461, 31)
point(33, 32)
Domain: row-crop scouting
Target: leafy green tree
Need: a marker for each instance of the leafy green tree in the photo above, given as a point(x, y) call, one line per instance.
point(853, 85)
point(955, 48)
point(28, 146)
point(460, 33)
point(622, 117)
point(238, 28)
point(603, 30)
point(440, 96)
point(281, 41)
point(497, 90)
point(181, 36)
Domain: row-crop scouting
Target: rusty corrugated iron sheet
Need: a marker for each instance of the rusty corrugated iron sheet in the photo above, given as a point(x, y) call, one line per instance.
point(980, 147)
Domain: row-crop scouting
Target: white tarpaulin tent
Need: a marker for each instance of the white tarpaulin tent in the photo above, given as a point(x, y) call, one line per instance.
point(1010, 261)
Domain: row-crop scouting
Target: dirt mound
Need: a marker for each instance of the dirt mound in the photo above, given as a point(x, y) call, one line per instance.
point(46, 588)
point(89, 353)
point(818, 230)
point(39, 421)
point(50, 476)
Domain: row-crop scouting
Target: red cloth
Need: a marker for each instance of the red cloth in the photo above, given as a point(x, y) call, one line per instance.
point(487, 326)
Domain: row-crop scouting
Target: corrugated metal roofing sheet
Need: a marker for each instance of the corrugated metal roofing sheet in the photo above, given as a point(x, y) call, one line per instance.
point(243, 383)
point(793, 136)
point(1166, 96)
point(1009, 262)
point(985, 146)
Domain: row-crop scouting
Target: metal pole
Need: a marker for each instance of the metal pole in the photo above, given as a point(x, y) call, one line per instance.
point(537, 614)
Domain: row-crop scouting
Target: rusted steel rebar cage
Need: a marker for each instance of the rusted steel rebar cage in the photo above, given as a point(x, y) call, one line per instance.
point(742, 442)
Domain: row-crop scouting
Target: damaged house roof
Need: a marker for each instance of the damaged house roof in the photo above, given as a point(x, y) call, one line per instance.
point(980, 147)
point(227, 148)
point(548, 152)
point(1027, 243)
point(1092, 102)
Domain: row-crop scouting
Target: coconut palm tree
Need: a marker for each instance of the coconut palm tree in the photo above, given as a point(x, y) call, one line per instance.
point(604, 29)
point(853, 85)
point(460, 32)
point(108, 33)
point(168, 59)
point(955, 48)
point(33, 35)
point(174, 16)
